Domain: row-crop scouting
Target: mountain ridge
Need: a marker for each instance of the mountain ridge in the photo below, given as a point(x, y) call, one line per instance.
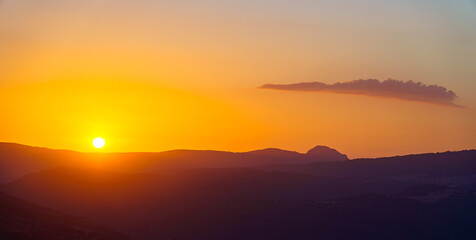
point(21, 219)
point(18, 160)
point(427, 191)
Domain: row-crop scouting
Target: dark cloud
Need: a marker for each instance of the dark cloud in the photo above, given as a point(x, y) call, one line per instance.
point(410, 90)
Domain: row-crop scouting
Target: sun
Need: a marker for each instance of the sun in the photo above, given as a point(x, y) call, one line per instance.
point(99, 142)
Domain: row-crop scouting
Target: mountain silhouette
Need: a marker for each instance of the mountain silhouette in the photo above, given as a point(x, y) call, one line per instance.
point(18, 160)
point(149, 206)
point(405, 197)
point(460, 163)
point(23, 220)
point(263, 194)
point(327, 153)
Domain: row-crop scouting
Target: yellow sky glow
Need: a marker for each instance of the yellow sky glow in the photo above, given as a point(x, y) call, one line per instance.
point(146, 78)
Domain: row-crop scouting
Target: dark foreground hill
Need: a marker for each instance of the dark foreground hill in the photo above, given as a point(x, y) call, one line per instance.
point(22, 220)
point(427, 196)
point(187, 205)
point(18, 160)
point(396, 198)
point(200, 208)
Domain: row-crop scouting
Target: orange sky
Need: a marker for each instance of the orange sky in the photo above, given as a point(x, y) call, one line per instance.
point(152, 77)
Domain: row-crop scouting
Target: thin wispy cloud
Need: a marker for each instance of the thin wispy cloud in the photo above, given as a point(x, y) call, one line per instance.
point(410, 90)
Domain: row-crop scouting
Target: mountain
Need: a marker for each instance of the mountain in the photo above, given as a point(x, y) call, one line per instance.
point(22, 220)
point(18, 160)
point(149, 206)
point(449, 164)
point(326, 153)
point(424, 196)
point(246, 203)
point(411, 197)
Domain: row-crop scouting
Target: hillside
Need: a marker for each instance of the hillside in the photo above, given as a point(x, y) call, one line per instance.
point(22, 220)
point(331, 200)
point(18, 160)
point(403, 197)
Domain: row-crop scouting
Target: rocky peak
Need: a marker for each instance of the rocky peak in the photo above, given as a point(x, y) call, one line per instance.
point(323, 153)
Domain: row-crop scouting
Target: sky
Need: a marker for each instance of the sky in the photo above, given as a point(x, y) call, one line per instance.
point(158, 75)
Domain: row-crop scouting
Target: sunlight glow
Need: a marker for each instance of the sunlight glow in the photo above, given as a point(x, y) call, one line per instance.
point(99, 142)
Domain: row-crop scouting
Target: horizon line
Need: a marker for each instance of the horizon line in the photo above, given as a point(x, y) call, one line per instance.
point(210, 150)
